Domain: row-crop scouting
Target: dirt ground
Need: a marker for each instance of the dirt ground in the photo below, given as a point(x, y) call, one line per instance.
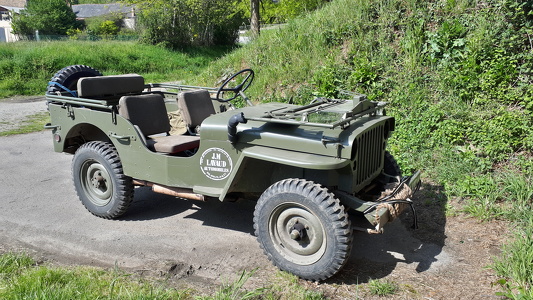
point(446, 258)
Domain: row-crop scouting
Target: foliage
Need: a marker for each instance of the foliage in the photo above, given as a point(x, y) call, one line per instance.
point(273, 12)
point(382, 288)
point(515, 265)
point(108, 28)
point(452, 91)
point(104, 27)
point(457, 76)
point(92, 1)
point(181, 23)
point(12, 264)
point(26, 67)
point(22, 278)
point(235, 290)
point(49, 17)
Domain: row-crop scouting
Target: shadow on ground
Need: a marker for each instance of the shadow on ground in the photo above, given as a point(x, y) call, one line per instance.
point(148, 205)
point(373, 256)
point(376, 256)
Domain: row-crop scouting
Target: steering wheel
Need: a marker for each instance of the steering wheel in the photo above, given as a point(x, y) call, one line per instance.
point(241, 87)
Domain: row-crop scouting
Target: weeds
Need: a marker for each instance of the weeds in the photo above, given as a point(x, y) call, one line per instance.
point(382, 288)
point(12, 264)
point(457, 75)
point(32, 123)
point(235, 290)
point(515, 265)
point(21, 278)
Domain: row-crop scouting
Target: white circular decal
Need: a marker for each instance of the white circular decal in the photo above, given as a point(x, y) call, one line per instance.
point(216, 163)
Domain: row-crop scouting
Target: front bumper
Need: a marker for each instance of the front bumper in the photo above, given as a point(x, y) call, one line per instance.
point(392, 203)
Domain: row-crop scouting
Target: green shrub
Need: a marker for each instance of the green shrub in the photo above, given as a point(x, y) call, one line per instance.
point(382, 288)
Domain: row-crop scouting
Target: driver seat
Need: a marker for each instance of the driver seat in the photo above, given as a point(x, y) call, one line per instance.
point(195, 106)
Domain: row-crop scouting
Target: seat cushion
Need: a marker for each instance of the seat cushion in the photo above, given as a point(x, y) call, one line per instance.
point(100, 86)
point(147, 111)
point(173, 143)
point(195, 106)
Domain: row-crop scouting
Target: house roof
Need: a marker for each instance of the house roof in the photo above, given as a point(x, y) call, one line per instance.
point(95, 10)
point(10, 8)
point(13, 3)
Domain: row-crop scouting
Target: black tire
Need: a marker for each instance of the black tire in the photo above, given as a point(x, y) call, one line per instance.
point(391, 168)
point(303, 229)
point(99, 180)
point(69, 76)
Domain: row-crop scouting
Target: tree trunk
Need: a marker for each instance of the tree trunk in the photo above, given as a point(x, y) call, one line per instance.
point(254, 20)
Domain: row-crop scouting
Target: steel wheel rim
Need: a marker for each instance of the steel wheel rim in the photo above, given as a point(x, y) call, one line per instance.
point(96, 183)
point(306, 250)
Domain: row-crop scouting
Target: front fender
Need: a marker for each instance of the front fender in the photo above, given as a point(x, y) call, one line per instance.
point(280, 158)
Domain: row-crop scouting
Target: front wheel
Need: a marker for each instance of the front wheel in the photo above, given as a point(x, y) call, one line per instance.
point(303, 229)
point(99, 180)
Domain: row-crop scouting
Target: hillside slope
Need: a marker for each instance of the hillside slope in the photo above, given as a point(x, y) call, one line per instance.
point(458, 78)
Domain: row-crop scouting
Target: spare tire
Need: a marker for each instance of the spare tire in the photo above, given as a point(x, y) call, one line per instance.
point(66, 79)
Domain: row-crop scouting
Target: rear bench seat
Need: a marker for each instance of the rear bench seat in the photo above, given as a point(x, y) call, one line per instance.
point(102, 86)
point(147, 112)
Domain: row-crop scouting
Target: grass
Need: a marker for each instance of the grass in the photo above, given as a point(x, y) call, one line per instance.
point(23, 278)
point(26, 67)
point(32, 123)
point(457, 76)
point(458, 80)
point(382, 287)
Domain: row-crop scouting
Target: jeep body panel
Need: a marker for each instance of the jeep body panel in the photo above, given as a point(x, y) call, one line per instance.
point(205, 173)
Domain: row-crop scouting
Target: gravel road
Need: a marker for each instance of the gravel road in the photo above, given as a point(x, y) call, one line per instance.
point(13, 110)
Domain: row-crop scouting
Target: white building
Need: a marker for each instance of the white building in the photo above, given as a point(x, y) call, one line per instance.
point(6, 13)
point(82, 11)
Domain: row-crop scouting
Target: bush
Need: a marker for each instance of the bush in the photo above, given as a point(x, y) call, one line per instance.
point(180, 23)
point(49, 17)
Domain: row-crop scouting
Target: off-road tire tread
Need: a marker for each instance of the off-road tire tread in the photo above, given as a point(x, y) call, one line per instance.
point(68, 77)
point(335, 212)
point(124, 186)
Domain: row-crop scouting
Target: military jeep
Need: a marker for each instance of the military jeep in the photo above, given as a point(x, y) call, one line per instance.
point(310, 168)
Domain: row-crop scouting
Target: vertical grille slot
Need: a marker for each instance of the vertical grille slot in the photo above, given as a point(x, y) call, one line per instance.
point(369, 156)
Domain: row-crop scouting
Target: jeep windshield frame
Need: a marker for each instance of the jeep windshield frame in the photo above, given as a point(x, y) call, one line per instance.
point(344, 111)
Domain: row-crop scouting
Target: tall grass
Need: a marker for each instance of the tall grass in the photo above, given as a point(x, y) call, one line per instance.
point(457, 75)
point(22, 278)
point(515, 265)
point(26, 67)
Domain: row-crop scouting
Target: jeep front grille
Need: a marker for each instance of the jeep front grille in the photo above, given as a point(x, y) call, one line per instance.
point(369, 150)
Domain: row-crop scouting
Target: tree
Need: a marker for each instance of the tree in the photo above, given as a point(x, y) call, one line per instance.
point(180, 23)
point(50, 17)
point(280, 11)
point(254, 19)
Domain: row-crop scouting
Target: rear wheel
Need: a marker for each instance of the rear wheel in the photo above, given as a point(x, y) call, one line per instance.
point(99, 180)
point(303, 229)
point(68, 78)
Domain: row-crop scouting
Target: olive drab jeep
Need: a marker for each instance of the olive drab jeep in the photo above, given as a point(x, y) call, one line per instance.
point(307, 166)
